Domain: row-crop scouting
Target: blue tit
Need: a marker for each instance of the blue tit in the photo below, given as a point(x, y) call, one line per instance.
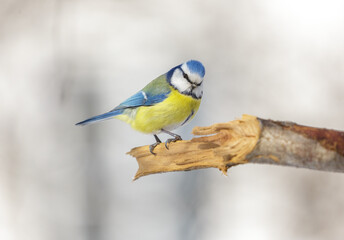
point(166, 103)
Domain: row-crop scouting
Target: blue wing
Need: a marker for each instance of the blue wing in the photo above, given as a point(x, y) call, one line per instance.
point(101, 117)
point(155, 92)
point(142, 99)
point(139, 99)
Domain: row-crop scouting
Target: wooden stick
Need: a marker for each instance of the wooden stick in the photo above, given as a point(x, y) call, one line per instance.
point(247, 140)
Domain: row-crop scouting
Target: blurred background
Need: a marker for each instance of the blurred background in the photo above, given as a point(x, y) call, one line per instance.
point(63, 61)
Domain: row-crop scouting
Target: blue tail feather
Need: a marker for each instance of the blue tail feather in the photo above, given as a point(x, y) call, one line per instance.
point(101, 117)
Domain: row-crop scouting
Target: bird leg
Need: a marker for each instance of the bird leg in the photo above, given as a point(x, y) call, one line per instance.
point(151, 147)
point(168, 141)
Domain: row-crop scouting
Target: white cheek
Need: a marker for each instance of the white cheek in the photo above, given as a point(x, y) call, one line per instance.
point(179, 82)
point(198, 91)
point(197, 79)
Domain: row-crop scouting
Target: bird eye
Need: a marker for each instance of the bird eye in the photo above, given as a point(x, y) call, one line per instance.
point(186, 76)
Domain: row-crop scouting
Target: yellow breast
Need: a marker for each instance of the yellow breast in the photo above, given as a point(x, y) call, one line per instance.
point(168, 114)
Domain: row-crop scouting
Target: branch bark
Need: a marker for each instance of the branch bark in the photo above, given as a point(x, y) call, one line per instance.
point(247, 140)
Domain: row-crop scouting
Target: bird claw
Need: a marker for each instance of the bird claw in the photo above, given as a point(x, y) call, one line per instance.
point(168, 141)
point(152, 147)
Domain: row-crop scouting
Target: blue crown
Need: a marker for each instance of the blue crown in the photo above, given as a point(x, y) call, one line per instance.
point(196, 67)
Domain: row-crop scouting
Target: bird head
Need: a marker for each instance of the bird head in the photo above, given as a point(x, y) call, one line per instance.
point(187, 78)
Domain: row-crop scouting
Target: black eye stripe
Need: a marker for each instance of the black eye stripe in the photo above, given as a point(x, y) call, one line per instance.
point(187, 77)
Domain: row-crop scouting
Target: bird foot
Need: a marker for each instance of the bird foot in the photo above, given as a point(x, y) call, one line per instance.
point(153, 146)
point(175, 139)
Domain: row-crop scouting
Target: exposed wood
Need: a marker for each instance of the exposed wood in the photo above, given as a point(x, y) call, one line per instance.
point(247, 140)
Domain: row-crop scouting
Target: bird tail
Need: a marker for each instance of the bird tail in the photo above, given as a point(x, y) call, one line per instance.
point(101, 117)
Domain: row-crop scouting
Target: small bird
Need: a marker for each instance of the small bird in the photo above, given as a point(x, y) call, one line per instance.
point(166, 103)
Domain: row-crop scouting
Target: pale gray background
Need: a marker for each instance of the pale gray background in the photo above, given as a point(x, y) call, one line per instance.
point(63, 61)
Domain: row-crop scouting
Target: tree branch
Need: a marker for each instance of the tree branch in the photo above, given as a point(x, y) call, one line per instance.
point(247, 140)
